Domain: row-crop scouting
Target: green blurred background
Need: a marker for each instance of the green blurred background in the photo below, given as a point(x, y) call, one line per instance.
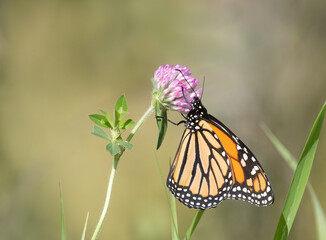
point(264, 61)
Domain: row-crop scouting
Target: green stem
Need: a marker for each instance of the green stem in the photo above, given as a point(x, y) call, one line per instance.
point(194, 224)
point(113, 170)
point(107, 201)
point(140, 122)
point(174, 220)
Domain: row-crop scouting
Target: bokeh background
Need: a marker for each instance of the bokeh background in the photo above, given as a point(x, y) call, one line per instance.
point(263, 61)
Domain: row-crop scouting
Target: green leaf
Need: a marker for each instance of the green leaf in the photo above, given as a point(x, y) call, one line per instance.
point(121, 106)
point(194, 224)
point(125, 144)
point(126, 124)
point(100, 120)
point(292, 162)
point(116, 118)
point(97, 131)
point(161, 121)
point(85, 227)
point(120, 110)
point(299, 180)
point(113, 148)
point(63, 228)
point(108, 117)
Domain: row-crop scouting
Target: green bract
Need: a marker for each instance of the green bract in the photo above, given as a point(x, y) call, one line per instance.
point(161, 121)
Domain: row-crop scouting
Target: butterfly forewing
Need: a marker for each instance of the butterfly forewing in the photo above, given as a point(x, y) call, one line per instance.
point(200, 176)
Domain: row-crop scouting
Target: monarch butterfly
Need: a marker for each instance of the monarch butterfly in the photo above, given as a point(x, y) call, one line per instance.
point(212, 164)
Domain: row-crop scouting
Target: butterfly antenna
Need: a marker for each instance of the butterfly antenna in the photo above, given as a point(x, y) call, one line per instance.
point(187, 82)
point(183, 94)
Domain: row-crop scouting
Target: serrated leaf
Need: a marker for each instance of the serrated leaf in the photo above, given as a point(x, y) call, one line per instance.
point(113, 148)
point(161, 121)
point(97, 131)
point(100, 120)
point(127, 124)
point(125, 144)
point(108, 117)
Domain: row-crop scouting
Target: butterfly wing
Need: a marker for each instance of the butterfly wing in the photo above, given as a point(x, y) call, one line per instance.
point(201, 174)
point(250, 182)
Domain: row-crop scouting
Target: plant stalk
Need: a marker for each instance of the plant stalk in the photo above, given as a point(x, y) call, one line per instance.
point(113, 171)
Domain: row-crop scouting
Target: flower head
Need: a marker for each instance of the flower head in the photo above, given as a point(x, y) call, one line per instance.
point(175, 90)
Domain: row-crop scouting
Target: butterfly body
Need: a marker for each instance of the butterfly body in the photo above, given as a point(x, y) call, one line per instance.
point(212, 164)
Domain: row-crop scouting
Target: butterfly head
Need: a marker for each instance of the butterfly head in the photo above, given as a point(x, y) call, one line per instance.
point(197, 107)
point(196, 113)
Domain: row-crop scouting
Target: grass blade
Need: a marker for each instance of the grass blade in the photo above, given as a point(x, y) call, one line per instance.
point(63, 228)
point(85, 227)
point(319, 213)
point(287, 156)
point(300, 179)
point(174, 219)
point(194, 224)
point(172, 205)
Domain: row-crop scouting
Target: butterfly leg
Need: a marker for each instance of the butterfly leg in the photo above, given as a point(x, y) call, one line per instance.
point(176, 124)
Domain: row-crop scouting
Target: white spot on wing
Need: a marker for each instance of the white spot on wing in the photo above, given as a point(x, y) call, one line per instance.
point(243, 163)
point(268, 189)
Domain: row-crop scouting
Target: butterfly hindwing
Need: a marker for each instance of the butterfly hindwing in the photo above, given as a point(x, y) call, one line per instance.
point(250, 180)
